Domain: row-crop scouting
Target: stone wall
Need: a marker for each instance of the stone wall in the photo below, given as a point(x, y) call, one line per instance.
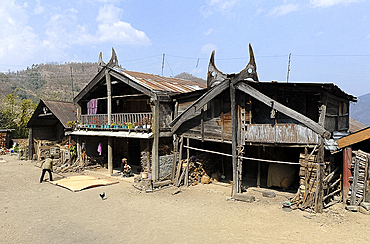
point(165, 166)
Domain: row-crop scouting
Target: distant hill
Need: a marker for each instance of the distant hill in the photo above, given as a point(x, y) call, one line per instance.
point(187, 76)
point(54, 81)
point(48, 81)
point(360, 111)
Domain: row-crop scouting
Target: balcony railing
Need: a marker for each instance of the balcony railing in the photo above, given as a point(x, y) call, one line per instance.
point(118, 119)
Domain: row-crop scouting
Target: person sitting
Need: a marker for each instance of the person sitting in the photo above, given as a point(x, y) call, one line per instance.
point(125, 168)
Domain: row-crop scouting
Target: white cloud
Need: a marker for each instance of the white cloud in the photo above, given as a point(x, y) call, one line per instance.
point(111, 29)
point(38, 9)
point(208, 48)
point(283, 10)
point(221, 6)
point(208, 32)
point(19, 42)
point(21, 45)
point(328, 3)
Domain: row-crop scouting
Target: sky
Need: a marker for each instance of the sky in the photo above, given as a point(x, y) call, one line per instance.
point(329, 40)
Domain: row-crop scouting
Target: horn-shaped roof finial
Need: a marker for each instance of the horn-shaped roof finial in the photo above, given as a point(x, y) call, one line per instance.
point(101, 63)
point(250, 71)
point(113, 60)
point(214, 75)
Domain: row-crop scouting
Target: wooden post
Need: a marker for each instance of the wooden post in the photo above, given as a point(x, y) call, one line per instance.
point(179, 166)
point(109, 97)
point(155, 155)
point(354, 183)
point(174, 160)
point(319, 179)
point(110, 155)
point(186, 181)
point(79, 155)
point(347, 160)
point(30, 144)
point(234, 123)
point(202, 124)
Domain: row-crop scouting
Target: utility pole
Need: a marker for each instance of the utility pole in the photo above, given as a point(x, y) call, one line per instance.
point(163, 63)
point(287, 76)
point(73, 94)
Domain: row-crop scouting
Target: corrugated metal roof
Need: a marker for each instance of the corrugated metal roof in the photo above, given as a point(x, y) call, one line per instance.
point(162, 84)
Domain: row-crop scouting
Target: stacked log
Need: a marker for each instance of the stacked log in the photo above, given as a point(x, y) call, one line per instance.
point(145, 160)
point(196, 172)
point(306, 192)
point(359, 177)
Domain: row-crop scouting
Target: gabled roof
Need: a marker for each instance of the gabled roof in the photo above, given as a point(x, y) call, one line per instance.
point(63, 111)
point(148, 84)
point(243, 81)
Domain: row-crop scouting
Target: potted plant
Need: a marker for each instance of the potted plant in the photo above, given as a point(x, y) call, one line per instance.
point(130, 125)
point(124, 125)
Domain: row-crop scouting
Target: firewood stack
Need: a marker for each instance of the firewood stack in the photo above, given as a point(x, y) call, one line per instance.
point(331, 183)
point(307, 183)
point(145, 160)
point(196, 171)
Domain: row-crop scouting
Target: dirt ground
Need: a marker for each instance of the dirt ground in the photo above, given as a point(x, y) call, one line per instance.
point(31, 212)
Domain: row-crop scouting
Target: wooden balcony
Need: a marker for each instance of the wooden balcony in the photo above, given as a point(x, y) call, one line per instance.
point(121, 119)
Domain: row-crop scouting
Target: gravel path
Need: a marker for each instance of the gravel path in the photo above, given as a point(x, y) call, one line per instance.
point(31, 212)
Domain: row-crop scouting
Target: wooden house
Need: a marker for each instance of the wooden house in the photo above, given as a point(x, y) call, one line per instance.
point(126, 114)
point(50, 122)
point(259, 130)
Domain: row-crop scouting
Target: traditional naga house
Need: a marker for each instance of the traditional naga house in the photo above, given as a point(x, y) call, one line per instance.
point(263, 133)
point(126, 114)
point(49, 122)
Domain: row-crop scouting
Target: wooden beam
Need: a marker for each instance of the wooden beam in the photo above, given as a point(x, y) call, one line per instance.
point(347, 160)
point(194, 110)
point(109, 97)
point(30, 144)
point(179, 166)
point(319, 195)
point(354, 138)
point(110, 155)
point(354, 183)
point(283, 109)
point(155, 147)
point(186, 181)
point(234, 122)
point(175, 147)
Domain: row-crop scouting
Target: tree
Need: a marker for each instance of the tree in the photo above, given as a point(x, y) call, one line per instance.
point(15, 114)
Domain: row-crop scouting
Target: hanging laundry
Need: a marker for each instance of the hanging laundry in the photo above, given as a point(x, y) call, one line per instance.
point(92, 106)
point(100, 149)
